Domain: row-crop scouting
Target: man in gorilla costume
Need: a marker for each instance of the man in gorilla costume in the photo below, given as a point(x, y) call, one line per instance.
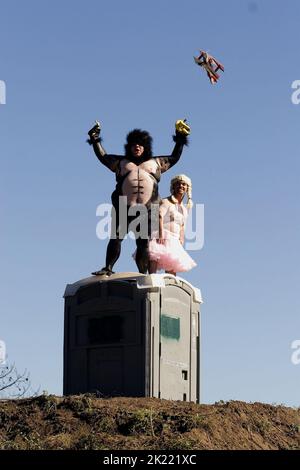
point(137, 175)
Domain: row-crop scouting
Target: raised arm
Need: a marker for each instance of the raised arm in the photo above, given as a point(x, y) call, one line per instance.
point(110, 161)
point(181, 139)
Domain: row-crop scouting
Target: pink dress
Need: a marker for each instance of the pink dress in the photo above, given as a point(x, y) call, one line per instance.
point(170, 255)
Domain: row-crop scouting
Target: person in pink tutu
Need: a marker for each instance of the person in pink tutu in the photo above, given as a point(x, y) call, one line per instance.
point(166, 246)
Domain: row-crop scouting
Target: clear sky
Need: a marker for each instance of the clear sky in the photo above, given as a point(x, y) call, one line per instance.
point(130, 64)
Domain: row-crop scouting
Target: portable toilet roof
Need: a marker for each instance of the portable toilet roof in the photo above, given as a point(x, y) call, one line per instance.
point(143, 281)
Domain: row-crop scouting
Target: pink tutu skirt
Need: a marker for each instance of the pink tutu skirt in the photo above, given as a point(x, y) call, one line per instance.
point(170, 255)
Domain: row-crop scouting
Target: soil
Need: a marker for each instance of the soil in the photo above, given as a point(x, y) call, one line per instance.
point(87, 422)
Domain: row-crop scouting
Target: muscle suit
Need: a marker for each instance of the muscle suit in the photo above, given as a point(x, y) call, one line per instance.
point(137, 178)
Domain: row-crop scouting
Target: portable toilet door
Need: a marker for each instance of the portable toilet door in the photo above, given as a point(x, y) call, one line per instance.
point(176, 340)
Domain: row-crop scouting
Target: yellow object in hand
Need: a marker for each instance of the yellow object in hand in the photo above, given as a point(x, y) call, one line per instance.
point(182, 127)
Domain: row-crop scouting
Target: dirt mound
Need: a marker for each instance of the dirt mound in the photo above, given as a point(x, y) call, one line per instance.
point(88, 422)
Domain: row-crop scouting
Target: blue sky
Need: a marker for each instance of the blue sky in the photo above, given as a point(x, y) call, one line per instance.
point(130, 64)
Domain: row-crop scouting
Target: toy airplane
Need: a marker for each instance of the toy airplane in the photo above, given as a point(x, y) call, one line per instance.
point(210, 64)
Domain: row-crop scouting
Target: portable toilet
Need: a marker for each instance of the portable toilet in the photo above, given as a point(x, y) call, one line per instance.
point(133, 335)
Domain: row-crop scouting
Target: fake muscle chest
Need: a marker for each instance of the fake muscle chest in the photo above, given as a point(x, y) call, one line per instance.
point(138, 185)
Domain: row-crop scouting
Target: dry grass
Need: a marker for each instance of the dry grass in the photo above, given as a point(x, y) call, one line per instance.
point(87, 422)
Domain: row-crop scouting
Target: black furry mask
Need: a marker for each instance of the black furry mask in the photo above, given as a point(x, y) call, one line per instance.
point(137, 136)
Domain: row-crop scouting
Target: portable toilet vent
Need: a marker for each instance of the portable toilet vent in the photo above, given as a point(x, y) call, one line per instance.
point(133, 335)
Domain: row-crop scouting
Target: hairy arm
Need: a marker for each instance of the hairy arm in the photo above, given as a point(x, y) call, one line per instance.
point(110, 161)
point(166, 162)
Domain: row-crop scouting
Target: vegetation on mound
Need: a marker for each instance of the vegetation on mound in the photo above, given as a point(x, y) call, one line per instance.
point(86, 422)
